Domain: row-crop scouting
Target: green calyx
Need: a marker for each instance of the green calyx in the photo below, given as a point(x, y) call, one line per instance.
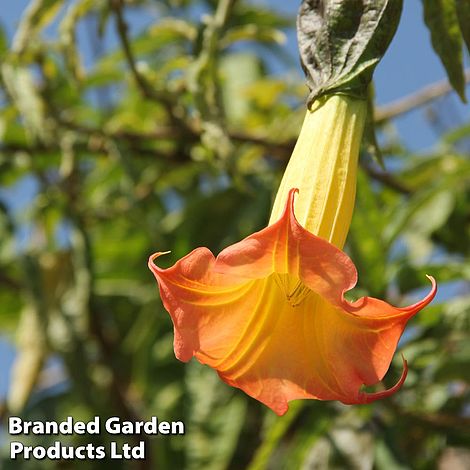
point(342, 41)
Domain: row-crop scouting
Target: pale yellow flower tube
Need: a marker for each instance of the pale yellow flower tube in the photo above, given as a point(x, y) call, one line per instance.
point(323, 167)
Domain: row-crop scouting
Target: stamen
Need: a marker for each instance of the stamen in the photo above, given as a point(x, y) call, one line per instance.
point(296, 295)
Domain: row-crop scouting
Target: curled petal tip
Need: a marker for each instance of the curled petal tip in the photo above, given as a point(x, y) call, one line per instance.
point(291, 197)
point(432, 292)
point(290, 200)
point(153, 257)
point(433, 282)
point(426, 300)
point(365, 397)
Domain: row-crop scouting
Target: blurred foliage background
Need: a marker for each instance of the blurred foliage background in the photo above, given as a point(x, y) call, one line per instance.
point(176, 137)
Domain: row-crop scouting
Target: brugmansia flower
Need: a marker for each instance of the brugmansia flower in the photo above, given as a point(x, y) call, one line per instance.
point(269, 313)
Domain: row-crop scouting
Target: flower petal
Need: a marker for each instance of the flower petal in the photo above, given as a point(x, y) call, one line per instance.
point(287, 248)
point(234, 314)
point(199, 301)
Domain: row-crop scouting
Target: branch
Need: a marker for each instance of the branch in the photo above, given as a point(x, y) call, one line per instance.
point(121, 29)
point(386, 178)
point(284, 149)
point(281, 150)
point(205, 85)
point(10, 282)
point(175, 112)
point(437, 420)
point(94, 148)
point(415, 100)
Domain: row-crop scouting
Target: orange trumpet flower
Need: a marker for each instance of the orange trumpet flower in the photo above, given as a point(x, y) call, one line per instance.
point(269, 313)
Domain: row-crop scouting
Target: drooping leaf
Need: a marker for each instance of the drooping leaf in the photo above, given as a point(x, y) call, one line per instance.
point(215, 421)
point(463, 15)
point(341, 42)
point(245, 13)
point(172, 30)
point(238, 72)
point(37, 16)
point(24, 93)
point(457, 134)
point(3, 41)
point(274, 435)
point(411, 277)
point(253, 33)
point(67, 32)
point(29, 360)
point(441, 19)
point(370, 138)
point(385, 458)
point(440, 181)
point(366, 238)
point(11, 131)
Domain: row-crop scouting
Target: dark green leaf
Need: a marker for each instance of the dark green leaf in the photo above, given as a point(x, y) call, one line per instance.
point(365, 239)
point(24, 93)
point(253, 33)
point(244, 14)
point(463, 15)
point(67, 31)
point(3, 41)
point(440, 17)
point(37, 16)
point(341, 42)
point(370, 138)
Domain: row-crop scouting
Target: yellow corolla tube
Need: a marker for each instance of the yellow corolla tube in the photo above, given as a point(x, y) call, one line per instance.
point(323, 167)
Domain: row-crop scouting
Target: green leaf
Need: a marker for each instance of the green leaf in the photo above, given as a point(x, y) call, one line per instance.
point(385, 458)
point(457, 368)
point(29, 361)
point(422, 215)
point(37, 16)
point(238, 72)
point(433, 213)
point(370, 138)
point(170, 30)
point(366, 239)
point(429, 178)
point(413, 277)
point(67, 32)
point(274, 435)
point(3, 41)
point(244, 14)
point(11, 131)
point(24, 93)
point(215, 419)
point(463, 15)
point(252, 32)
point(441, 19)
point(457, 134)
point(341, 42)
